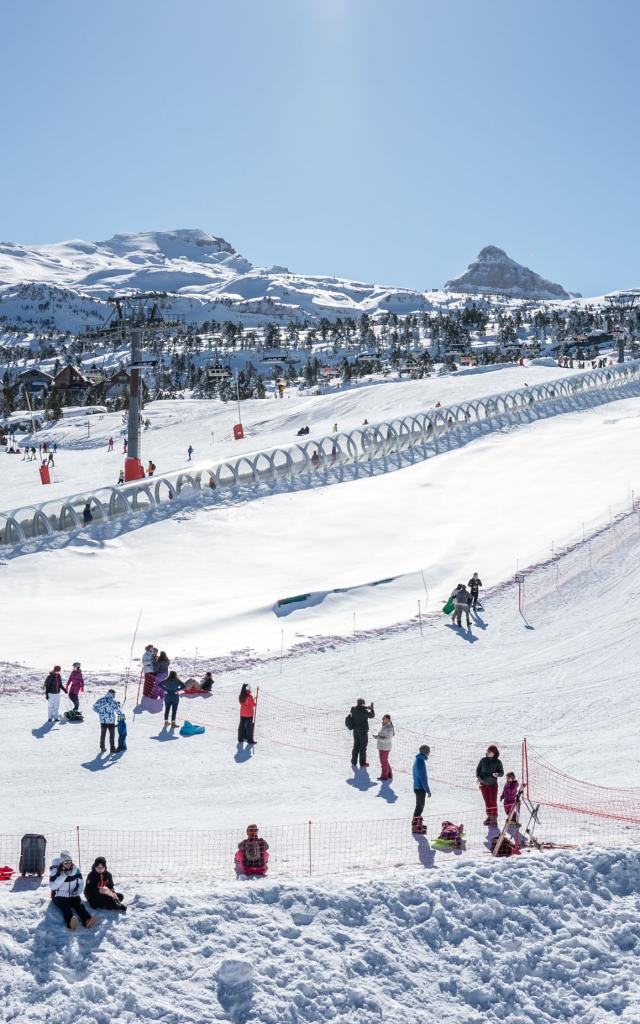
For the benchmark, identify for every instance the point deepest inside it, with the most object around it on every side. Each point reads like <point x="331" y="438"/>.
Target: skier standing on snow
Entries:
<point x="65" y="882"/>
<point x="384" y="738"/>
<point x="107" y="709"/>
<point x="171" y="686"/>
<point x="461" y="597"/>
<point x="75" y="685"/>
<point x="488" y="772"/>
<point x="52" y="687"/>
<point x="474" y="585"/>
<point x="509" y="796"/>
<point x="360" y="715"/>
<point x="420" y="788"/>
<point x="247" y="713"/>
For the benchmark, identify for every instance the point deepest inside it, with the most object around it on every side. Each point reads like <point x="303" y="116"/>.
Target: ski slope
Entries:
<point x="83" y="462"/>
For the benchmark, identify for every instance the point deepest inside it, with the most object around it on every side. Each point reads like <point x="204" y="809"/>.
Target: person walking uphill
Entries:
<point x="107" y="708"/>
<point x="360" y="715"/>
<point x="247" y="713"/>
<point x="52" y="687"/>
<point x="420" y="788"/>
<point x="171" y="686"/>
<point x="75" y="685"/>
<point x="65" y="882"/>
<point x="384" y="738"/>
<point x="488" y="772"/>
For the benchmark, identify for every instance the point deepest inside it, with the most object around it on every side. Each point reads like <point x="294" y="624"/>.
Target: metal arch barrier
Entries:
<point x="269" y="466"/>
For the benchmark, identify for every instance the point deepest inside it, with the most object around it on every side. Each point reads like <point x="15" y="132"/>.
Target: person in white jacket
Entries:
<point x="65" y="882"/>
<point x="384" y="738"/>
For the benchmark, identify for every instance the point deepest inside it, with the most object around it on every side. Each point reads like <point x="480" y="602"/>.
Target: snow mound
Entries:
<point x="532" y="939"/>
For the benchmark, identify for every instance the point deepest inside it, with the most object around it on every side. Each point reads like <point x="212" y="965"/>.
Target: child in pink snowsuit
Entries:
<point x="509" y="794"/>
<point x="75" y="685"/>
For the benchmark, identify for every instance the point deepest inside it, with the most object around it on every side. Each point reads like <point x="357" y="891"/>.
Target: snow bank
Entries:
<point x="540" y="939"/>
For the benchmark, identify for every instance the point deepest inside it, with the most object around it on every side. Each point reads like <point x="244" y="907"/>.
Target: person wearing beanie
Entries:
<point x="99" y="888"/>
<point x="107" y="709"/>
<point x="52" y="687"/>
<point x="75" y="685"/>
<point x="488" y="772"/>
<point x="420" y="788"/>
<point x="65" y="883"/>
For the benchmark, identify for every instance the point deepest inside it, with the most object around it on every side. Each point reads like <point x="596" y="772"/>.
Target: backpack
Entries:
<point x="252" y="854"/>
<point x="349" y="721"/>
<point x="505" y="847"/>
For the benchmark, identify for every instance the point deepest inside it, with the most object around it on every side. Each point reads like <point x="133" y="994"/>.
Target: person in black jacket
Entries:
<point x="99" y="889"/>
<point x="360" y="715"/>
<point x="474" y="585"/>
<point x="171" y="686"/>
<point x="488" y="772"/>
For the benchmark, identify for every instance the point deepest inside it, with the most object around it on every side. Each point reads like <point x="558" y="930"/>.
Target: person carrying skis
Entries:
<point x="52" y="687"/>
<point x="247" y="712"/>
<point x="360" y="715"/>
<point x="65" y="883"/>
<point x="488" y="772"/>
<point x="107" y="709"/>
<point x="171" y="687"/>
<point x="474" y="585"/>
<point x="509" y="797"/>
<point x="460" y="596"/>
<point x="99" y="889"/>
<point x="75" y="685"/>
<point x="420" y="788"/>
<point x="384" y="738"/>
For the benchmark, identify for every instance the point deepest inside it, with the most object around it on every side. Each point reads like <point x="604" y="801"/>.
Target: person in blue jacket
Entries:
<point x="420" y="788"/>
<point x="171" y="686"/>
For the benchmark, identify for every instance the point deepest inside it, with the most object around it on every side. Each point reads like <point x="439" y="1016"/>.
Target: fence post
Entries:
<point x="78" y="844"/>
<point x="525" y="765"/>
<point x="420" y="618"/>
<point x="309" y="842"/>
<point x="255" y="710"/>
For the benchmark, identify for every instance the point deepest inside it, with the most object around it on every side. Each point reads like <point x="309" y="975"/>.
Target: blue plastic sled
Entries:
<point x="188" y="729"/>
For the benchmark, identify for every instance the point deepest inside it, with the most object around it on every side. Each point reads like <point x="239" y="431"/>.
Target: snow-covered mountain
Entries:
<point x="66" y="284"/>
<point x="493" y="272"/>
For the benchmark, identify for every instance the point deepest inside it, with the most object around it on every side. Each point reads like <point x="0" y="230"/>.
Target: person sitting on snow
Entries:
<point x="252" y="855"/>
<point x="99" y="888"/>
<point x="65" y="883"/>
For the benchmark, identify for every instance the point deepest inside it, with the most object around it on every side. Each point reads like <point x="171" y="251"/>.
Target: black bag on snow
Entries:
<point x="74" y="716"/>
<point x="32" y="854"/>
<point x="349" y="721"/>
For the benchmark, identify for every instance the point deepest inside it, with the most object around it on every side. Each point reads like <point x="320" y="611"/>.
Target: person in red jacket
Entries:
<point x="75" y="685"/>
<point x="247" y="712"/>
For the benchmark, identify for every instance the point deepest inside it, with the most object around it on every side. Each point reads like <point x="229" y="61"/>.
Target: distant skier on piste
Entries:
<point x="474" y="585"/>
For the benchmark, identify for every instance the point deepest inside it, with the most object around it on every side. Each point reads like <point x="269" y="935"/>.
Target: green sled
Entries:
<point x="449" y="606"/>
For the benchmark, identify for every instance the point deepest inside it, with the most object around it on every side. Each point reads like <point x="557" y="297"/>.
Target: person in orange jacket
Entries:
<point x="247" y="712"/>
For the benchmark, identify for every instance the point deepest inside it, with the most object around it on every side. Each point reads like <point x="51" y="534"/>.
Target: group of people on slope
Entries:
<point x="160" y="680"/>
<point x="53" y="687"/>
<point x="65" y="884"/>
<point x="465" y="599"/>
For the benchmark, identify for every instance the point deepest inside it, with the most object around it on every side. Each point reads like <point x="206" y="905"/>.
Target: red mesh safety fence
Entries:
<point x="322" y="730"/>
<point x="551" y="786"/>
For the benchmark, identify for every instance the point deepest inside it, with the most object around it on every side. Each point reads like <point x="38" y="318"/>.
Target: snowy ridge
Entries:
<point x="519" y="941"/>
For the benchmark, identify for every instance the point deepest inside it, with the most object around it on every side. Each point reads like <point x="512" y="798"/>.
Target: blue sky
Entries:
<point x="385" y="140"/>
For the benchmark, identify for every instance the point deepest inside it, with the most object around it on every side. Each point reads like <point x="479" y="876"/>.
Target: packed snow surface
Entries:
<point x="534" y="940"/>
